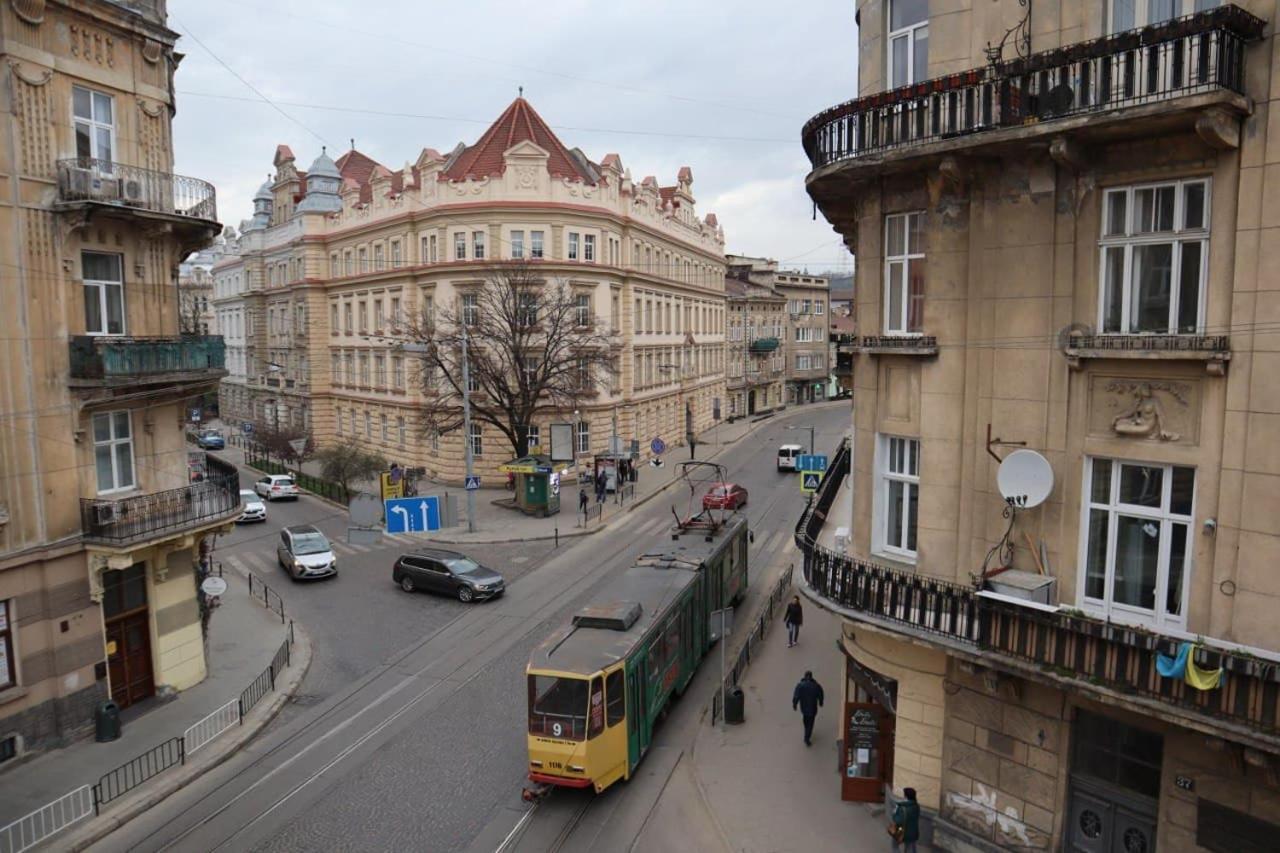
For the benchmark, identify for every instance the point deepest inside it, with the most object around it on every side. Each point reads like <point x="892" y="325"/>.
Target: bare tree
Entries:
<point x="348" y="462"/>
<point x="534" y="347"/>
<point x="278" y="440"/>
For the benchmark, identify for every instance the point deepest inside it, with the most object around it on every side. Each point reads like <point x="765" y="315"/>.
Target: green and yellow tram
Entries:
<point x="598" y="685"/>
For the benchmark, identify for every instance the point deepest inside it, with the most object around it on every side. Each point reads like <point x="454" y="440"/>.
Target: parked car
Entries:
<point x="447" y="572"/>
<point x="254" y="508"/>
<point x="725" y="496"/>
<point x="276" y="486"/>
<point x="211" y="439"/>
<point x="305" y="553"/>
<point x="788" y="456"/>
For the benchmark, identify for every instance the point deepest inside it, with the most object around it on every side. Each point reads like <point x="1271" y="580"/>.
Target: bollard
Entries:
<point x="557" y="545"/>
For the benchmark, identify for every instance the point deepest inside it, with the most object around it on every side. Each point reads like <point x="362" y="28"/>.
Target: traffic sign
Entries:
<point x="811" y="462"/>
<point x="809" y="481"/>
<point x="473" y="482"/>
<point x="298" y="445"/>
<point x="195" y="416"/>
<point x="658" y="446"/>
<point x="246" y="428"/>
<point x="413" y="515"/>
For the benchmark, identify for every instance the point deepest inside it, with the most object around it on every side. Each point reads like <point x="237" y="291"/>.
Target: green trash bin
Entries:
<point x="106" y="722"/>
<point x="735" y="706"/>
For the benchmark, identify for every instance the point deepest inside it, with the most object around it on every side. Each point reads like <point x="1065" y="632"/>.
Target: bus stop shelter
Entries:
<point x="537" y="481"/>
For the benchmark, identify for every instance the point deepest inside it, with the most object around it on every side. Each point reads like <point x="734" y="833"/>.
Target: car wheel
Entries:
<point x="406" y="583"/>
<point x="465" y="594"/>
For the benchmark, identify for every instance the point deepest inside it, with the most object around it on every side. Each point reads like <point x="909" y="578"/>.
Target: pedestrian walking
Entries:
<point x="793" y="619"/>
<point x="807" y="697"/>
<point x="582" y="502"/>
<point x="905" y="828"/>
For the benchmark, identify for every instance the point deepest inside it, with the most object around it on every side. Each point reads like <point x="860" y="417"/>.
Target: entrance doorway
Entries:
<point x="1115" y="786"/>
<point x="128" y="634"/>
<point x="751" y="403"/>
<point x="868" y="734"/>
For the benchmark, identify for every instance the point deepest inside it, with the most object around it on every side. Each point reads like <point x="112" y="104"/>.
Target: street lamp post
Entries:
<point x="809" y="427"/>
<point x="466" y="432"/>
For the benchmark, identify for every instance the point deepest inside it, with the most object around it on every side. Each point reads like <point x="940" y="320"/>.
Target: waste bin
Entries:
<point x="735" y="705"/>
<point x="106" y="722"/>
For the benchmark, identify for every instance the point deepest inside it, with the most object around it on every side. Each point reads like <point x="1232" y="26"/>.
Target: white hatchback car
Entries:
<point x="276" y="486"/>
<point x="254" y="508"/>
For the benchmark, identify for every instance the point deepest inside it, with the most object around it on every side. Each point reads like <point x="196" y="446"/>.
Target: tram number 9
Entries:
<point x="557" y="729"/>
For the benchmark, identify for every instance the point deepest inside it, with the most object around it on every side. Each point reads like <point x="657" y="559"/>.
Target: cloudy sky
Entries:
<point x="722" y="86"/>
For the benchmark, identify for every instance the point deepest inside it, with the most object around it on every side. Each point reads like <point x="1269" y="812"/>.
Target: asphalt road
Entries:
<point x="410" y="730"/>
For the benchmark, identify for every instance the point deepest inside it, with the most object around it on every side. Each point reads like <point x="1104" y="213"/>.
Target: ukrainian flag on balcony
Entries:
<point x="1183" y="666"/>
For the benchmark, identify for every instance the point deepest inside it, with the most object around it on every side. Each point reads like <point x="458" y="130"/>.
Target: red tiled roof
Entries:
<point x="357" y="166"/>
<point x="668" y="194"/>
<point x="283" y="152"/>
<point x="518" y="123"/>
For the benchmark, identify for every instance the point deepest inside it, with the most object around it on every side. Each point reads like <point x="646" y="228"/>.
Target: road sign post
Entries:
<point x="810" y="480"/>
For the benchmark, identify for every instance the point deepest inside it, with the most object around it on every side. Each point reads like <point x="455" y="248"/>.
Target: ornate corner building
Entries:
<point x="1064" y="245"/>
<point x="101" y="524"/>
<point x="337" y="255"/>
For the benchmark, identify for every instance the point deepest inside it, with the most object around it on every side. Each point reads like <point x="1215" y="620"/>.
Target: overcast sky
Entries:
<point x="722" y="86"/>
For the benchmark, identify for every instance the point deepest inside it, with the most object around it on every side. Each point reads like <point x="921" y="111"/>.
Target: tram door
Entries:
<point x="639" y="725"/>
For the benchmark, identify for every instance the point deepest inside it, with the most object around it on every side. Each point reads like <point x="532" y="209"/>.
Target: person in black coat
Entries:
<point x="807" y="697"/>
<point x="793" y="619"/>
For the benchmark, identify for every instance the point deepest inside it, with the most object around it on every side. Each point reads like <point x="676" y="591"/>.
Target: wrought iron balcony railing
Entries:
<point x="82" y="179"/>
<point x="115" y="360"/>
<point x="160" y="514"/>
<point x="764" y="345"/>
<point x="1198" y="53"/>
<point x="904" y="344"/>
<point x="1153" y="343"/>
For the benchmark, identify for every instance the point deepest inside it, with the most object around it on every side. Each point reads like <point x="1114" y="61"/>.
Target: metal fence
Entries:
<point x="256" y="457"/>
<point x="258" y="688"/>
<point x="270" y="599"/>
<point x="47" y="821"/>
<point x="756" y="636"/>
<point x="126" y="777"/>
<point x="203" y="732"/>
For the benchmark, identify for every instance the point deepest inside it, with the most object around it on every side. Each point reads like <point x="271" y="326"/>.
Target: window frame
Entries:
<point x="901" y="326"/>
<point x="1142" y="13"/>
<point x="460" y="245"/>
<point x="478" y="245"/>
<point x="476" y="440"/>
<point x="517" y="244"/>
<point x="885" y="478"/>
<point x="909" y="33"/>
<point x="589" y="248"/>
<point x="1158" y="616"/>
<point x="8" y="656"/>
<point x="582" y="310"/>
<point x="582" y="437"/>
<point x="102" y="288"/>
<point x="103" y="165"/>
<point x="571" y="245"/>
<point x="537" y="244"/>
<point x="113" y="441"/>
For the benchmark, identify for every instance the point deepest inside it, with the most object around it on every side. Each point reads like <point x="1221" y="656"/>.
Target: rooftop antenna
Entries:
<point x="353" y="143"/>
<point x="520" y="89"/>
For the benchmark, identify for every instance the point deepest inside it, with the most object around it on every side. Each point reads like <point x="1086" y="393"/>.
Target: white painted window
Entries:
<point x="904" y="274"/>
<point x="103" y="293"/>
<point x="908" y="42"/>
<point x="477" y="245"/>
<point x="588" y="247"/>
<point x="819" y="307"/>
<point x="477" y="440"/>
<point x="395" y="254"/>
<point x="460" y="246"/>
<point x="94" y="118"/>
<point x="517" y="244"/>
<point x="530" y="367"/>
<point x="897" y="496"/>
<point x="386" y="429"/>
<point x="113" y="451"/>
<point x="434" y="255"/>
<point x="1129" y="14"/>
<point x="397" y="372"/>
<point x="573" y="246"/>
<point x="379" y="259"/>
<point x="1136" y="546"/>
<point x="470" y="309"/>
<point x="400" y="431"/>
<point x="1154" y="258"/>
<point x="582" y="308"/>
<point x="584" y="437"/>
<point x="535" y="244"/>
<point x="535" y="436"/>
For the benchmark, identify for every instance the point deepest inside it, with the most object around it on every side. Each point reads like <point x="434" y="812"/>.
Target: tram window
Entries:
<point x="655" y="659"/>
<point x="558" y="706"/>
<point x="595" y="721"/>
<point x="673" y="639"/>
<point x="616" y="697"/>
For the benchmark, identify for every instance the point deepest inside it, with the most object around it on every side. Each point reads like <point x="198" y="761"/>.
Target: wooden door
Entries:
<point x="868" y="752"/>
<point x="129" y="661"/>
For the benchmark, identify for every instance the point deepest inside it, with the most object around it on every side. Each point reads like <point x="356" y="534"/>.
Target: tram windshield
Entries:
<point x="558" y="706"/>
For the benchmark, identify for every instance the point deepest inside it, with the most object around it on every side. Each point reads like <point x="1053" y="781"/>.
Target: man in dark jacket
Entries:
<point x="793" y="619"/>
<point x="808" y="698"/>
<point x="907" y="815"/>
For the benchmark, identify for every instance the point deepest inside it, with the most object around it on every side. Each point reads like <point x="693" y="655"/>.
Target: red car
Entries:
<point x="725" y="496"/>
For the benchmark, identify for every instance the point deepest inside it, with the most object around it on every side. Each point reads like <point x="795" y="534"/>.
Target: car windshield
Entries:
<point x="213" y="433"/>
<point x="558" y="707"/>
<point x="463" y="566"/>
<point x="719" y="492"/>
<point x="310" y="543"/>
<point x="249" y="497"/>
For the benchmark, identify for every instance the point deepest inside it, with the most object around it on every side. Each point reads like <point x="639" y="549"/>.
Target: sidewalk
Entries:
<point x="243" y="637"/>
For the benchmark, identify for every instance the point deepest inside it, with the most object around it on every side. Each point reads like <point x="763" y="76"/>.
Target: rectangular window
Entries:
<point x="1154" y="258"/>
<point x="395" y="254"/>
<point x="582" y="309"/>
<point x="434" y="256"/>
<point x="379" y="260"/>
<point x="386" y="429"/>
<point x="535" y="244"/>
<point x="380" y="370"/>
<point x="335" y="368"/>
<point x="346" y="316"/>
<point x="94" y="119"/>
<point x="333" y="265"/>
<point x="908" y="42"/>
<point x="517" y="244"/>
<point x="362" y="256"/>
<point x="1130" y="14"/>
<point x="113" y="451"/>
<point x="377" y="315"/>
<point x="477" y="245"/>
<point x="899" y="466"/>
<point x="397" y="372"/>
<point x="588" y="247"/>
<point x="470" y="309"/>
<point x="573" y="246"/>
<point x="615" y="313"/>
<point x="477" y="440"/>
<point x="400" y="431"/>
<point x="368" y="425"/>
<point x="103" y="293"/>
<point x="460" y="246"/>
<point x="819" y="307"/>
<point x="364" y="317"/>
<point x="1137" y="541"/>
<point x="904" y="274"/>
<point x="338" y="414"/>
<point x="347" y="262"/>
<point x="530" y="368"/>
<point x="527" y="309"/>
<point x="364" y="368"/>
<point x="584" y="437"/>
<point x="535" y="437"/>
<point x="8" y="670"/>
<point x="395" y="311"/>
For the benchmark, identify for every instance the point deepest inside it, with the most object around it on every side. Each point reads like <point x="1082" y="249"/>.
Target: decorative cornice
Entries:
<point x="45" y="77"/>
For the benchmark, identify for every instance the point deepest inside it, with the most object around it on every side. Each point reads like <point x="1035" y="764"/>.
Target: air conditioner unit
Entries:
<point x="132" y="190"/>
<point x="86" y="183"/>
<point x="104" y="513"/>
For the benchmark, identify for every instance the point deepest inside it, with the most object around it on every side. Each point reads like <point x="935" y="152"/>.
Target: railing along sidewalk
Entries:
<point x="45" y="822"/>
<point x="756" y="636"/>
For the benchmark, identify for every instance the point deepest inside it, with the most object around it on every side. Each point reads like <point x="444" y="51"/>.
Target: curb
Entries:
<point x="133" y="806"/>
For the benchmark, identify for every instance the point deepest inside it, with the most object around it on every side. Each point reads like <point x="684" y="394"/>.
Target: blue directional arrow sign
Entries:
<point x="473" y="482"/>
<point x="811" y="462"/>
<point x="412" y="515"/>
<point x="809" y="481"/>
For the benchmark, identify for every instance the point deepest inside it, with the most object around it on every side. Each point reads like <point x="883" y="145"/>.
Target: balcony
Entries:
<point x="1173" y="73"/>
<point x="760" y="346"/>
<point x="1108" y="662"/>
<point x="1213" y="350"/>
<point x="163" y="515"/>
<point x="187" y="207"/>
<point x="921" y="345"/>
<point x="116" y="367"/>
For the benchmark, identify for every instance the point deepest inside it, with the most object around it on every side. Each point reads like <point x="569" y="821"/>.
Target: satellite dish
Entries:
<point x="1025" y="479"/>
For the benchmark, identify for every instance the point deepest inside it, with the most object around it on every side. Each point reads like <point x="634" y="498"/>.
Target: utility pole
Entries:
<point x="466" y="430"/>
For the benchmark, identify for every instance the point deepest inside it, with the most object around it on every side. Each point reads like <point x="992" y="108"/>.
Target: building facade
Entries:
<point x="755" y="347"/>
<point x="809" y="363"/>
<point x="101" y="526"/>
<point x="337" y="256"/>
<point x="1063" y="247"/>
<point x="195" y="294"/>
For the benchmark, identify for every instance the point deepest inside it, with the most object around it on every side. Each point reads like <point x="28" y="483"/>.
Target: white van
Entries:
<point x="788" y="455"/>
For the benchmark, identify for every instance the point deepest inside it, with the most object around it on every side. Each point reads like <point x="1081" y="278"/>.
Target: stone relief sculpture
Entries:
<point x="1146" y="417"/>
